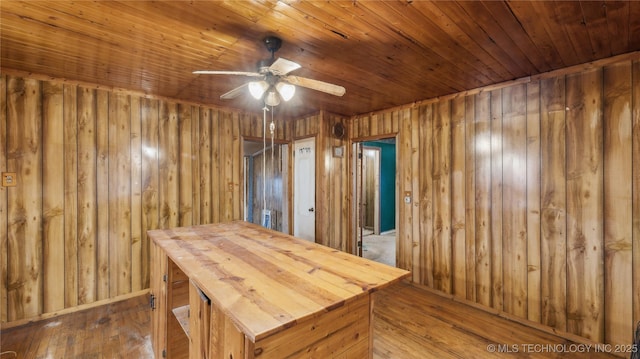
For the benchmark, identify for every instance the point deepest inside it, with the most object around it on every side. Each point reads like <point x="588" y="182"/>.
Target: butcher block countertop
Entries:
<point x="267" y="281"/>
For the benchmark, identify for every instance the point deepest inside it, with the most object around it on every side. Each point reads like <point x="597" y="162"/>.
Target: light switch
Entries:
<point x="9" y="179"/>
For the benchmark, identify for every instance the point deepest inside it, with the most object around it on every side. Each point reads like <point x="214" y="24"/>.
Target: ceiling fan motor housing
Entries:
<point x="272" y="43"/>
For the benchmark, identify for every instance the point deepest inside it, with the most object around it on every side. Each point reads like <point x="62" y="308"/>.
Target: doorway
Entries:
<point x="374" y="188"/>
<point x="304" y="195"/>
<point x="266" y="184"/>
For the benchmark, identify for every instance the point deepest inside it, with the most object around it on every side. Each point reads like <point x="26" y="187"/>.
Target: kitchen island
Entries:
<point x="238" y="290"/>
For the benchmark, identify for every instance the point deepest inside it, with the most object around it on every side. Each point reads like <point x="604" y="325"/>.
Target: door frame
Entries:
<point x="294" y="185"/>
<point x="355" y="232"/>
<point x="376" y="184"/>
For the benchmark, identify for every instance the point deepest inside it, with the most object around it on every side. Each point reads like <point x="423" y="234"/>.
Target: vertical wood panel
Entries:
<point x="206" y="182"/>
<point x="70" y="195"/>
<point x="425" y="265"/>
<point x="458" y="198"/>
<point x="87" y="195"/>
<point x="168" y="164"/>
<point x="53" y="187"/>
<point x="553" y="250"/>
<point x="24" y="234"/>
<point x="185" y="167"/>
<point x="102" y="174"/>
<point x="533" y="202"/>
<point x="415" y="189"/>
<point x="515" y="200"/>
<point x="119" y="195"/>
<point x="216" y="167"/>
<point x="497" y="279"/>
<point x="403" y="255"/>
<point x="442" y="251"/>
<point x="226" y="168"/>
<point x="236" y="168"/>
<point x="483" y="197"/>
<point x="618" y="205"/>
<point x="195" y="163"/>
<point x="584" y="205"/>
<point x="635" y="90"/>
<point x="150" y="176"/>
<point x="3" y="200"/>
<point x="470" y="198"/>
<point x="139" y="257"/>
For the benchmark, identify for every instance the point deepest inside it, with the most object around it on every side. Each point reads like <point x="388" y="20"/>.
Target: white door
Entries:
<point x="304" y="196"/>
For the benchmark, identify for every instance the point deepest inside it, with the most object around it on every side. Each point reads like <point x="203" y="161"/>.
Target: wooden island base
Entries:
<point x="237" y="290"/>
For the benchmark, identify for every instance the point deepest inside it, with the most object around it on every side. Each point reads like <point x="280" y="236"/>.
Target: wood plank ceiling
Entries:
<point x="385" y="53"/>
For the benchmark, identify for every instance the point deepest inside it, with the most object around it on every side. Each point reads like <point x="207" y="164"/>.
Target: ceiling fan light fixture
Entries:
<point x="272" y="98"/>
<point x="285" y="90"/>
<point x="257" y="88"/>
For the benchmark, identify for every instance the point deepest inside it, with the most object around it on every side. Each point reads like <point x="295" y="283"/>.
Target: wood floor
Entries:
<point x="410" y="323"/>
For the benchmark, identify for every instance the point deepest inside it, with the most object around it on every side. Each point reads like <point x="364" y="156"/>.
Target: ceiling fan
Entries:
<point x="273" y="81"/>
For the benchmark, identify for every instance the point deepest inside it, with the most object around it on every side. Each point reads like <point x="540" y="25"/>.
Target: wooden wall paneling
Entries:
<point x="364" y="127"/>
<point x="388" y="123"/>
<point x="87" y="195"/>
<point x="102" y="188"/>
<point x="374" y="125"/>
<point x="404" y="234"/>
<point x="169" y="180"/>
<point x="422" y="271"/>
<point x="395" y="122"/>
<point x="353" y="127"/>
<point x="3" y="201"/>
<point x="226" y="170"/>
<point x="470" y="197"/>
<point x="618" y="205"/>
<point x="205" y="161"/>
<point x="185" y="166"/>
<point x="139" y="262"/>
<point x="534" y="299"/>
<point x="217" y="187"/>
<point x="119" y="195"/>
<point x="53" y="200"/>
<point x="442" y="244"/>
<point x="71" y="195"/>
<point x="514" y="230"/>
<point x="416" y="250"/>
<point x="483" y="197"/>
<point x="236" y="168"/>
<point x="497" y="275"/>
<point x="585" y="275"/>
<point x="150" y="216"/>
<point x="458" y="199"/>
<point x="195" y="164"/>
<point x="338" y="204"/>
<point x="324" y="169"/>
<point x="553" y="249"/>
<point x="24" y="234"/>
<point x="635" y="90"/>
<point x="325" y="185"/>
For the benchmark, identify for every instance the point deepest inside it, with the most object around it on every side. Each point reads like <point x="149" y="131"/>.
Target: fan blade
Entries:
<point x="234" y="93"/>
<point x="243" y="73"/>
<point x="316" y="85"/>
<point x="283" y="66"/>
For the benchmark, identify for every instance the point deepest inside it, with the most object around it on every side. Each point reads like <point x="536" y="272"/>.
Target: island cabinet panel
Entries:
<point x="340" y="333"/>
<point x="238" y="290"/>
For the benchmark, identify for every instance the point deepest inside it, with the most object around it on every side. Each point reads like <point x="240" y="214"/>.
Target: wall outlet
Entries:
<point x="9" y="179"/>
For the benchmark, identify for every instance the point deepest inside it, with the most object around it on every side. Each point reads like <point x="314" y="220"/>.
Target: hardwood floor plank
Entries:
<point x="410" y="323"/>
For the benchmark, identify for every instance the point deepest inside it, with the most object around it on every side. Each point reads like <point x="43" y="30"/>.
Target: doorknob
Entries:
<point x="311" y="209"/>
